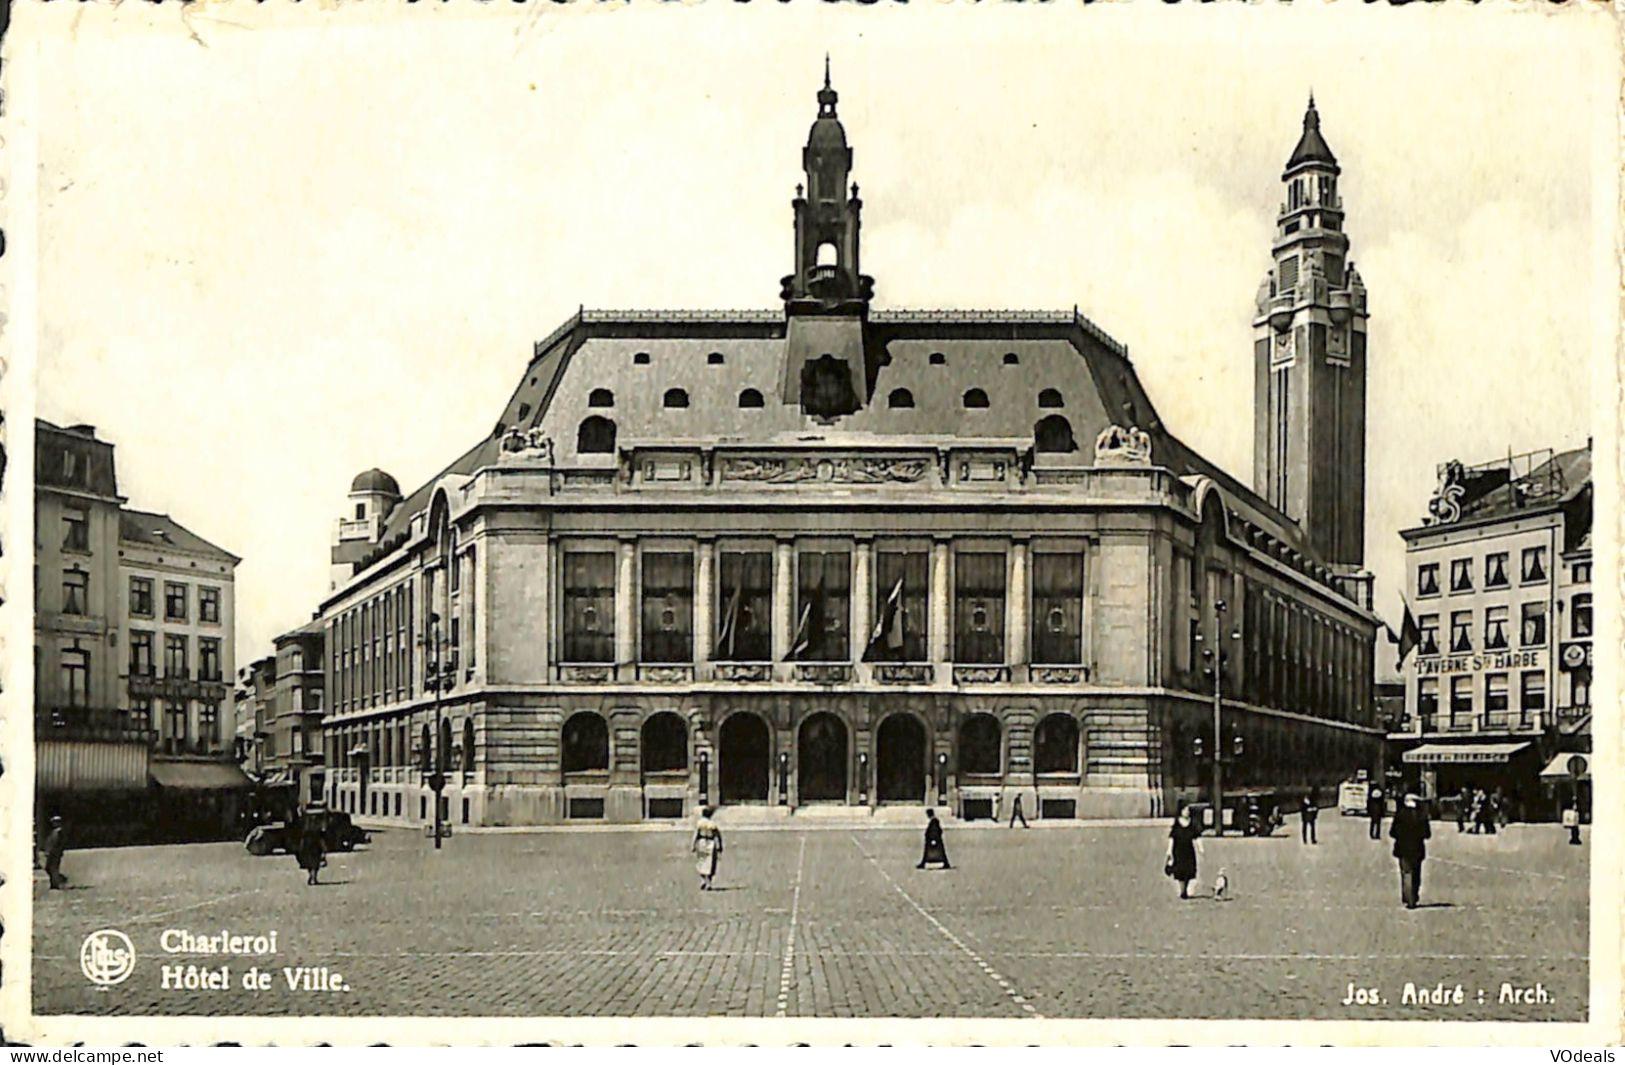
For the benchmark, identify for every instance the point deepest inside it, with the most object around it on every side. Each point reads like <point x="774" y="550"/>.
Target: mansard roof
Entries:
<point x="161" y="531"/>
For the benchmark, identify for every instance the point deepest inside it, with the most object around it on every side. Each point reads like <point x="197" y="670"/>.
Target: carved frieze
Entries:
<point x="666" y="674"/>
<point x="981" y="674"/>
<point x="587" y="674"/>
<point x="744" y="671"/>
<point x="803" y="469"/>
<point x="1059" y="674"/>
<point x="823" y="672"/>
<point x="903" y="673"/>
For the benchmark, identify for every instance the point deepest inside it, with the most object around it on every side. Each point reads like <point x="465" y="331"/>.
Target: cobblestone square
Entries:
<point x="1076" y="921"/>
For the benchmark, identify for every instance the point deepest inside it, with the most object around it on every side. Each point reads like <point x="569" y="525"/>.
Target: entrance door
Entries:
<point x="900" y="759"/>
<point x="821" y="759"/>
<point x="743" y="759"/>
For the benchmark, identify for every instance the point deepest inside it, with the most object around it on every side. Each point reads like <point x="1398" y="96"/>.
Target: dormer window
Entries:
<point x="675" y="398"/>
<point x="750" y="398"/>
<point x="938" y="359"/>
<point x="1012" y="359"/>
<point x="596" y="436"/>
<point x="601" y="397"/>
<point x="640" y="359"/>
<point x="714" y="359"/>
<point x="975" y="399"/>
<point x="1050" y="398"/>
<point x="900" y="398"/>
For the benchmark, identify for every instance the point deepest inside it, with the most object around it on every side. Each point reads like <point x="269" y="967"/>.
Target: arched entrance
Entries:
<point x="743" y="753"/>
<point x="821" y="759"/>
<point x="900" y="759"/>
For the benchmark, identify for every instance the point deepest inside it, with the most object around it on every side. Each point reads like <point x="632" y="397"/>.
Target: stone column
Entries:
<point x="940" y="592"/>
<point x="704" y="601"/>
<point x="544" y="650"/>
<point x="783" y="598"/>
<point x="626" y="647"/>
<point x="862" y="584"/>
<point x="1016" y="606"/>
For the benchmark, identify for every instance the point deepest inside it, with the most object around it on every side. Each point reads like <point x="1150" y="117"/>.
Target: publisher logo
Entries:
<point x="107" y="957"/>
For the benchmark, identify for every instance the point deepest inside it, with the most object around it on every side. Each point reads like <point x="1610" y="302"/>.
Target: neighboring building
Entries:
<point x="294" y="760"/>
<point x="834" y="555"/>
<point x="90" y="754"/>
<point x="133" y="647"/>
<point x="1499" y="579"/>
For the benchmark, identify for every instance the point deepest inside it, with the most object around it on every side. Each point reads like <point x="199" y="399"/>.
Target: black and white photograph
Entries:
<point x="894" y="524"/>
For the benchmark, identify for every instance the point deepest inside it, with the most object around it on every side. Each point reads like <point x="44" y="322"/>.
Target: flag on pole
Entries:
<point x="1410" y="635"/>
<point x="887" y="638"/>
<point x="730" y="625"/>
<point x="810" y="627"/>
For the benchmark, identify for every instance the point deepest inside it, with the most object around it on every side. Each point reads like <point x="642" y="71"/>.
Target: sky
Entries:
<point x="281" y="245"/>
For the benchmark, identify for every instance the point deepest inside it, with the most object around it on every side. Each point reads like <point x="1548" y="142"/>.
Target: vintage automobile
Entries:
<point x="339" y="833"/>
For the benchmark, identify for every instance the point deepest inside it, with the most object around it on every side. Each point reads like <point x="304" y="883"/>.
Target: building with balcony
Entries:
<point x="1498" y="695"/>
<point x="294" y="759"/>
<point x="829" y="554"/>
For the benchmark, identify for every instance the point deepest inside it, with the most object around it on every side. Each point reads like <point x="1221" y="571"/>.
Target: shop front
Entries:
<point x="1445" y="770"/>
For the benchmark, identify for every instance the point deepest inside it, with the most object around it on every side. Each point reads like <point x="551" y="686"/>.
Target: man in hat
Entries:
<point x="1410" y="831"/>
<point x="935" y="852"/>
<point x="56" y="843"/>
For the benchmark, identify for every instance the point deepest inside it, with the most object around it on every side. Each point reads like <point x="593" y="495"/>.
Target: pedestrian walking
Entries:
<point x="935" y="852"/>
<point x="1016" y="814"/>
<point x="1374" y="810"/>
<point x="1183" y="846"/>
<point x="1571" y="821"/>
<point x="1410" y="831"/>
<point x="1310" y="813"/>
<point x="1464" y="806"/>
<point x="1486" y="813"/>
<point x="707" y="847"/>
<point x="56" y="842"/>
<point x="311" y="850"/>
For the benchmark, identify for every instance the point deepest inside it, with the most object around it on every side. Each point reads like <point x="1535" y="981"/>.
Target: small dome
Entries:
<point x="827" y="135"/>
<point x="376" y="480"/>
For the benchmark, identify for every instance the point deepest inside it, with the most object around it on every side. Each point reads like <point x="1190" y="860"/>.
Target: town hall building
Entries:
<point x="832" y="554"/>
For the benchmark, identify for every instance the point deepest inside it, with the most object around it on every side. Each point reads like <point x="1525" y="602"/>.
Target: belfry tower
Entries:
<point x="826" y="300"/>
<point x="1310" y="364"/>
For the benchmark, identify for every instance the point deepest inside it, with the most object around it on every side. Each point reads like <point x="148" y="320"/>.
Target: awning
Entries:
<point x="1559" y="766"/>
<point x="199" y="776"/>
<point x="1459" y="753"/>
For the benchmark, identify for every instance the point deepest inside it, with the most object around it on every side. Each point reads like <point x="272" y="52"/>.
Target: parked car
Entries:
<point x="339" y="833"/>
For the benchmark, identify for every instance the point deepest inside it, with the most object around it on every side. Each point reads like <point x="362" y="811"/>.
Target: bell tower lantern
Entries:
<point x="826" y="278"/>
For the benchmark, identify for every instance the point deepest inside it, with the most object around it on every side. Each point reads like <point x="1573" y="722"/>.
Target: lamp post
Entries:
<point x="439" y="675"/>
<point x="1216" y="660"/>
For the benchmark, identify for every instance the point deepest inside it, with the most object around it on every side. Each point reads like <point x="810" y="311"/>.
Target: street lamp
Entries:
<point x="1215" y="668"/>
<point x="439" y="676"/>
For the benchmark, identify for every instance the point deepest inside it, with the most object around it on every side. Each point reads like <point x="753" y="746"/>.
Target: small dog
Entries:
<point x="1221" y="886"/>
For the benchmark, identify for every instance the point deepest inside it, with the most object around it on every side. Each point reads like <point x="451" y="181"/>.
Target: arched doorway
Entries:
<point x="664" y="746"/>
<point x="900" y="759"/>
<point x="743" y="750"/>
<point x="821" y="759"/>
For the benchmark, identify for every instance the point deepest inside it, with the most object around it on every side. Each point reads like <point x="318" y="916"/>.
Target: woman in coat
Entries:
<point x="1183" y="846"/>
<point x="310" y="852"/>
<point x="707" y="847"/>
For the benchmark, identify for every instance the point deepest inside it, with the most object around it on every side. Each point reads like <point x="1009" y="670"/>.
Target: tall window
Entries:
<point x="1461" y="575"/>
<point x="1461" y="631"/>
<point x="208" y="604"/>
<point x="1495" y="570"/>
<point x="1495" y="700"/>
<point x="140" y="653"/>
<point x="823" y="605"/>
<point x="208" y="725"/>
<point x="585" y="743"/>
<point x="1057" y="621"/>
<point x="1532" y="698"/>
<point x="141" y="712"/>
<point x="1580" y="619"/>
<point x="1532" y="624"/>
<point x="75" y="529"/>
<point x="979" y="607"/>
<point x="1495" y="628"/>
<point x="668" y="606"/>
<point x="141" y="596"/>
<point x="1534" y="564"/>
<point x="901" y="628"/>
<point x="1461" y="702"/>
<point x="174" y="601"/>
<point x="1428" y="628"/>
<point x="175" y="720"/>
<point x="1427" y="702"/>
<point x="75" y="592"/>
<point x="1055" y="744"/>
<point x="208" y="658"/>
<point x="1427" y="579"/>
<point x="589" y="606"/>
<point x="76" y="676"/>
<point x="175" y="656"/>
<point x="745" y="625"/>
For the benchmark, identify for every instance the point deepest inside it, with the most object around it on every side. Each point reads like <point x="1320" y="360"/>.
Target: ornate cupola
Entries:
<point x="826" y="300"/>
